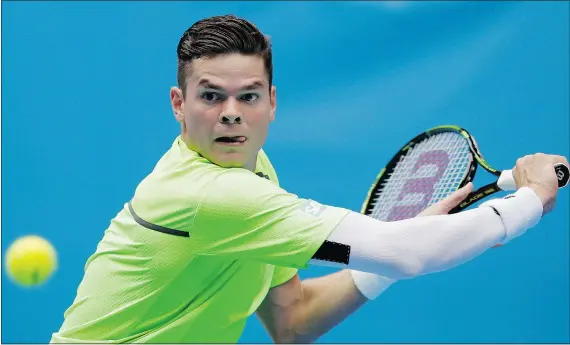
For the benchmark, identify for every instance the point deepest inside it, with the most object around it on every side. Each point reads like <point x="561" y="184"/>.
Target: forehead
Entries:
<point x="229" y="70"/>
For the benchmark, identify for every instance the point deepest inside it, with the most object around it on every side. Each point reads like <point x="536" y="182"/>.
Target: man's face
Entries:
<point x="226" y="113"/>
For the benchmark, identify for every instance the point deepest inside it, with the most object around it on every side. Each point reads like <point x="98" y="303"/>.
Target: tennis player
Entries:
<point x="210" y="238"/>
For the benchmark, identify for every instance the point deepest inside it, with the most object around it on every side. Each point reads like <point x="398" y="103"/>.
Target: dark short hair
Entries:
<point x="218" y="35"/>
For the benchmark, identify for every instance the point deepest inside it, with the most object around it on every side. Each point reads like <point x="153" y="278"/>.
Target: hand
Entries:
<point x="447" y="204"/>
<point x="537" y="172"/>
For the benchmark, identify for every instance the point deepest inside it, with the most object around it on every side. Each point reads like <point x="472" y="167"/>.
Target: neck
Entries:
<point x="251" y="165"/>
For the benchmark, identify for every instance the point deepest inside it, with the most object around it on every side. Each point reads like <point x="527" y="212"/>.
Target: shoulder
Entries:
<point x="169" y="196"/>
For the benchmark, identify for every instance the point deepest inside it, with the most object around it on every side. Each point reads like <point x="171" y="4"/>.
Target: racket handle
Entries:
<point x="506" y="180"/>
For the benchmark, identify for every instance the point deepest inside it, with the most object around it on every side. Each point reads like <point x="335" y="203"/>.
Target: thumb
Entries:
<point x="449" y="202"/>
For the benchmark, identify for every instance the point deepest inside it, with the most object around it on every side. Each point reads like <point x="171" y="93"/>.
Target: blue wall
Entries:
<point x="86" y="114"/>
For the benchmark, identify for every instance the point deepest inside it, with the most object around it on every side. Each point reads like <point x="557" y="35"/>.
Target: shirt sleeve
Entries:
<point x="243" y="216"/>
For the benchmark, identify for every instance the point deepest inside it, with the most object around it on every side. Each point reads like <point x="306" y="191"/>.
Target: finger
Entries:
<point x="448" y="203"/>
<point x="523" y="160"/>
<point x="456" y="197"/>
<point x="559" y="159"/>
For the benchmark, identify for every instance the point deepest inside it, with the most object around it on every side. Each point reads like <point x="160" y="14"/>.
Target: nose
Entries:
<point x="230" y="119"/>
<point x="230" y="114"/>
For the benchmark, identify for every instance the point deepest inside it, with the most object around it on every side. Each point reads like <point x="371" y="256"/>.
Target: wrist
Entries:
<point x="544" y="193"/>
<point x="519" y="212"/>
<point x="370" y="285"/>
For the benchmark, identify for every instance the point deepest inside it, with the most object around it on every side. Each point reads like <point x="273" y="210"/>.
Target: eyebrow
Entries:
<point x="209" y="85"/>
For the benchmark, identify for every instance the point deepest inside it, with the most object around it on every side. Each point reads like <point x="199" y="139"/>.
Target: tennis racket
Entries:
<point x="430" y="167"/>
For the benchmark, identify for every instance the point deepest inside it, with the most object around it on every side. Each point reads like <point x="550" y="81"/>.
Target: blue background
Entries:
<point x="86" y="115"/>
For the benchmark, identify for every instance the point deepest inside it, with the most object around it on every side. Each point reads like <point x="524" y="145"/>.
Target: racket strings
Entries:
<point x="427" y="173"/>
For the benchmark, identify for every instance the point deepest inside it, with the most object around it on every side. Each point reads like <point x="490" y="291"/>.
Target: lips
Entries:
<point x="231" y="139"/>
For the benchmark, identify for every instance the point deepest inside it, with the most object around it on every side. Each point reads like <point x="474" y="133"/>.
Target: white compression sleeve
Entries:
<point x="369" y="284"/>
<point x="417" y="246"/>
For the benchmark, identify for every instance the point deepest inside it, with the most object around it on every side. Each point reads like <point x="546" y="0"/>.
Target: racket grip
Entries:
<point x="506" y="180"/>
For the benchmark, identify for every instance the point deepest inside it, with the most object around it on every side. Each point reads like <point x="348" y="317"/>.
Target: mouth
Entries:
<point x="235" y="140"/>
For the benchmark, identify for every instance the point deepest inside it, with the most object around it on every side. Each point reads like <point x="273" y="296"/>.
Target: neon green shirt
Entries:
<point x="194" y="254"/>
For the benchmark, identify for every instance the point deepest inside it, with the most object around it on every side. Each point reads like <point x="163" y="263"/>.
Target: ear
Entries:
<point x="273" y="103"/>
<point x="177" y="102"/>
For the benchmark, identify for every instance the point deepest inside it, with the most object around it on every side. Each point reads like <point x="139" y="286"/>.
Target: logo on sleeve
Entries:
<point x="313" y="208"/>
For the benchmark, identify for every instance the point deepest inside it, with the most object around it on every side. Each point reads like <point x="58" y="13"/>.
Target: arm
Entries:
<point x="301" y="312"/>
<point x="409" y="248"/>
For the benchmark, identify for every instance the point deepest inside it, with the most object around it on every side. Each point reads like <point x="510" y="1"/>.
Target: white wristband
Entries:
<point x="370" y="285"/>
<point x="519" y="212"/>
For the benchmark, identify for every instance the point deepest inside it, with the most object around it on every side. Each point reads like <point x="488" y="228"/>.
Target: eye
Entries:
<point x="249" y="97"/>
<point x="210" y="96"/>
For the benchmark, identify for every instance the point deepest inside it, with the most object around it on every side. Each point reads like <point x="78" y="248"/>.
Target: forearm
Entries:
<point x="326" y="302"/>
<point x="408" y="248"/>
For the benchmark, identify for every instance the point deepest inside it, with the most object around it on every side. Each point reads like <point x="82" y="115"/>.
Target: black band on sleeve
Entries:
<point x="334" y="252"/>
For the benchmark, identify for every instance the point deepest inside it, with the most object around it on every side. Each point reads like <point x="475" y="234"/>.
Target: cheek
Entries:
<point x="263" y="115"/>
<point x="260" y="122"/>
<point x="200" y="121"/>
<point x="262" y="127"/>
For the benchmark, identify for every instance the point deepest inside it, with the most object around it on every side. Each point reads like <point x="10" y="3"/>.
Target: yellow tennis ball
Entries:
<point x="30" y="260"/>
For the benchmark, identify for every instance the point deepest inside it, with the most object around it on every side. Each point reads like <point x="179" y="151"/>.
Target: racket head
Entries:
<point x="428" y="168"/>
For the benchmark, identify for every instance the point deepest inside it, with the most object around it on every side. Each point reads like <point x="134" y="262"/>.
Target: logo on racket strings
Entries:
<point x="437" y="160"/>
